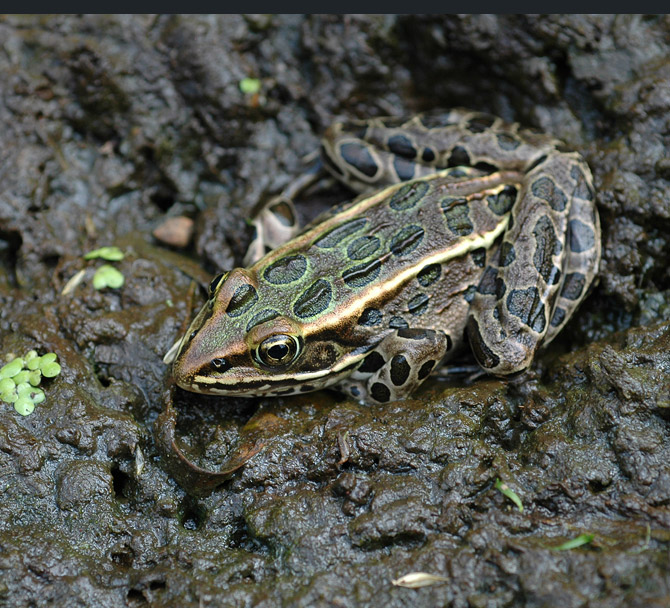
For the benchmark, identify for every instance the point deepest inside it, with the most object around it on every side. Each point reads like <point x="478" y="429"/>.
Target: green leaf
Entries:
<point x="509" y="493"/>
<point x="7" y="384"/>
<point x="38" y="396"/>
<point x="9" y="396"/>
<point x="249" y="86"/>
<point x="24" y="406"/>
<point x="111" y="254"/>
<point x="24" y="389"/>
<point x="51" y="370"/>
<point x="35" y="377"/>
<point x="21" y="377"/>
<point x="12" y="368"/>
<point x="48" y="358"/>
<point x="578" y="541"/>
<point x="33" y="363"/>
<point x="107" y="276"/>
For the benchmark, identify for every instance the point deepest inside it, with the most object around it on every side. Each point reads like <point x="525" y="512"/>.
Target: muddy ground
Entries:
<point x="110" y="125"/>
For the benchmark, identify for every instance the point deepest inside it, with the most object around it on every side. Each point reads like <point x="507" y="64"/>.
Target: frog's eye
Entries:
<point x="216" y="281"/>
<point x="278" y="350"/>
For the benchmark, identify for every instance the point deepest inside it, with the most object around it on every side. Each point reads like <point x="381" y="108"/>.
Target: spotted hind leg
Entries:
<point x="397" y="366"/>
<point x="539" y="271"/>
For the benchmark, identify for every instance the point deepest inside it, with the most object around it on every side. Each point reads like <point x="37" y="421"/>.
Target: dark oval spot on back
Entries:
<point x="435" y="120"/>
<point x="429" y="274"/>
<point x="573" y="286"/>
<point x="404" y="168"/>
<point x="286" y="270"/>
<point x="545" y="189"/>
<point x="363" y="247"/>
<point x="480" y="123"/>
<point x="358" y="157"/>
<point x="425" y="369"/>
<point x="261" y="317"/>
<point x="583" y="190"/>
<point x="414" y="334"/>
<point x="459" y="156"/>
<point x="399" y="370"/>
<point x="406" y="240"/>
<point x="336" y="235"/>
<point x="408" y="196"/>
<point x="370" y="317"/>
<point x="380" y="392"/>
<point x="507" y="142"/>
<point x="398" y="323"/>
<point x="428" y="156"/>
<point x="527" y="305"/>
<point x="484" y="355"/>
<point x="507" y="253"/>
<point x="582" y="237"/>
<point x="502" y="202"/>
<point x="479" y="257"/>
<point x="363" y="274"/>
<point x="469" y="293"/>
<point x="402" y="146"/>
<point x="243" y="299"/>
<point x="558" y="316"/>
<point x="456" y="212"/>
<point x="418" y="304"/>
<point x="372" y="363"/>
<point x="314" y="300"/>
<point x="546" y="246"/>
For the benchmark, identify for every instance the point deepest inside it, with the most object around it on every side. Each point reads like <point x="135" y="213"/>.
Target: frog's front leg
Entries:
<point x="277" y="221"/>
<point x="275" y="224"/>
<point x="397" y="365"/>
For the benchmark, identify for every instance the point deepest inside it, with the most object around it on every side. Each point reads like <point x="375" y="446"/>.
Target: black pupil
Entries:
<point x="278" y="351"/>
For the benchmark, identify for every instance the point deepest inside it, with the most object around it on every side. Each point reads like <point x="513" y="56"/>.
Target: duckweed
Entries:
<point x="20" y="379"/>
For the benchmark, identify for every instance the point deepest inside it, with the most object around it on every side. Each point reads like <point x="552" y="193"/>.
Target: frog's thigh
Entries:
<point x="582" y="255"/>
<point x="510" y="313"/>
<point x="275" y="224"/>
<point x="399" y="364"/>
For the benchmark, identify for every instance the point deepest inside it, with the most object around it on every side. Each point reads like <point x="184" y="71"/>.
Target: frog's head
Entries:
<point x="244" y="343"/>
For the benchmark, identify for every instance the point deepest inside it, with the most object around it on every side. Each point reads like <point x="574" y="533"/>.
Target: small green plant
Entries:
<point x="107" y="275"/>
<point x="250" y="86"/>
<point x="578" y="541"/>
<point x="20" y="378"/>
<point x="111" y="254"/>
<point x="501" y="486"/>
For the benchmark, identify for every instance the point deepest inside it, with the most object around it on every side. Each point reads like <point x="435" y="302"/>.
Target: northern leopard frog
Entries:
<point x="466" y="226"/>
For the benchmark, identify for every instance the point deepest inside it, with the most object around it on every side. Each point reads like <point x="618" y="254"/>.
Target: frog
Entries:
<point x="467" y="231"/>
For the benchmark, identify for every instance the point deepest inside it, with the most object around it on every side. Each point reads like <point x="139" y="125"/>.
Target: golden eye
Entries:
<point x="278" y="350"/>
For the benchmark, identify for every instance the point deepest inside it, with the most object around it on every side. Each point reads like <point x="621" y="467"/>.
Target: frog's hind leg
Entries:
<point x="397" y="366"/>
<point x="516" y="299"/>
<point x="583" y="253"/>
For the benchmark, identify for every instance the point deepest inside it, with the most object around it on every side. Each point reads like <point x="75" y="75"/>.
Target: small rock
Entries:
<point x="175" y="231"/>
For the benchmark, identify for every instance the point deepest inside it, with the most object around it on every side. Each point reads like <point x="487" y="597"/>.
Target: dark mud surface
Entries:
<point x="110" y="125"/>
